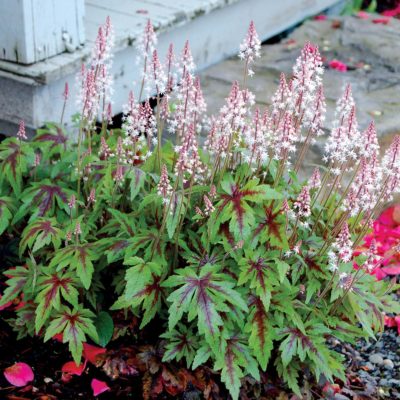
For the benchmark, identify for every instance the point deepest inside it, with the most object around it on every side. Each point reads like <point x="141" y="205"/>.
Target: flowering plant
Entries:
<point x="385" y="236"/>
<point x="244" y="266"/>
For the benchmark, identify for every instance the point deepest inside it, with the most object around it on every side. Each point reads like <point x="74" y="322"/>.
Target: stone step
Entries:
<point x="214" y="28"/>
<point x="371" y="51"/>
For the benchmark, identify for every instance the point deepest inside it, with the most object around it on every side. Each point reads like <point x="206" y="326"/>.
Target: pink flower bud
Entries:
<point x="21" y="134"/>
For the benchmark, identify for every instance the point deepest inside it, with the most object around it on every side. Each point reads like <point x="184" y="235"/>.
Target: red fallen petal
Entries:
<point x="332" y="386"/>
<point x="91" y="352"/>
<point x="99" y="387"/>
<point x="71" y="368"/>
<point x="338" y="65"/>
<point x="59" y="337"/>
<point x="391" y="270"/>
<point x="383" y="21"/>
<point x="66" y="377"/>
<point x="19" y="374"/>
<point x="390" y="322"/>
<point x="321" y="17"/>
<point x="397" y="320"/>
<point x="363" y="15"/>
<point x="392" y="13"/>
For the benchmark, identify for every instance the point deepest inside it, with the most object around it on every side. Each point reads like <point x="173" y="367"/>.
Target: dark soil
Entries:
<point x="46" y="359"/>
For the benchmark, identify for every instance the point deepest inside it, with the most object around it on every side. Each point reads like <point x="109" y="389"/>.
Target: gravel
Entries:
<point x="374" y="365"/>
<point x="376" y="359"/>
<point x="388" y="363"/>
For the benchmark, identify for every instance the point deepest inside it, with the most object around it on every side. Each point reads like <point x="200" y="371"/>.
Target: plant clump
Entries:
<point x="246" y="267"/>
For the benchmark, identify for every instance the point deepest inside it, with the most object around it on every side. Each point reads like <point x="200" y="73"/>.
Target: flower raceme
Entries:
<point x="250" y="48"/>
<point x="302" y="204"/>
<point x="95" y="81"/>
<point x="243" y="266"/>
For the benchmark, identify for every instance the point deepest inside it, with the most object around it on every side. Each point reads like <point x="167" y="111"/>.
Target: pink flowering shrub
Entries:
<point x="385" y="237"/>
<point x="243" y="266"/>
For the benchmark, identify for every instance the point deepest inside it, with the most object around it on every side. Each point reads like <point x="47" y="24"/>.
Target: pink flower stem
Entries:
<point x="63" y="111"/>
<point x="322" y="295"/>
<point x="303" y="151"/>
<point x="178" y="231"/>
<point x="339" y="301"/>
<point x="341" y="201"/>
<point x="144" y="75"/>
<point x="324" y="181"/>
<point x="167" y="208"/>
<point x="293" y="236"/>
<point x="159" y="132"/>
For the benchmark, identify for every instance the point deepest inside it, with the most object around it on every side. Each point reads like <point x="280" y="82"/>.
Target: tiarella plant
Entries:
<point x="245" y="267"/>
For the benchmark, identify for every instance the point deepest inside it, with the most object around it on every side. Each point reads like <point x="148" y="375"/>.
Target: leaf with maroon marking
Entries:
<point x="271" y="229"/>
<point x="137" y="179"/>
<point x="6" y="209"/>
<point x="78" y="257"/>
<point x="46" y="197"/>
<point x="310" y="345"/>
<point x="234" y="206"/>
<point x="39" y="233"/>
<point x="18" y="277"/>
<point x="181" y="343"/>
<point x="143" y="288"/>
<point x="204" y="295"/>
<point x="259" y="274"/>
<point x="312" y="264"/>
<point x="115" y="249"/>
<point x="14" y="159"/>
<point x="224" y="231"/>
<point x="52" y="134"/>
<point x="262" y="333"/>
<point x="43" y="198"/>
<point x="234" y="361"/>
<point x="120" y="224"/>
<point x="74" y="325"/>
<point x="147" y="240"/>
<point x="288" y="348"/>
<point x="51" y="287"/>
<point x="290" y="375"/>
<point x="176" y="211"/>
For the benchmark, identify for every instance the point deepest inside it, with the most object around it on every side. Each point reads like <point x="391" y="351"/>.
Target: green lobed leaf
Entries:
<point x="105" y="328"/>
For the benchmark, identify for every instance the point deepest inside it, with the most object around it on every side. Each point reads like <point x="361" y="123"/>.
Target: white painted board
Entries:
<point x="34" y="30"/>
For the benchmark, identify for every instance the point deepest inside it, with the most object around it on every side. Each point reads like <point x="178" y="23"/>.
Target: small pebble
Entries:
<point x="388" y="364"/>
<point x="370" y="366"/>
<point x="384" y="382"/>
<point x="376" y="359"/>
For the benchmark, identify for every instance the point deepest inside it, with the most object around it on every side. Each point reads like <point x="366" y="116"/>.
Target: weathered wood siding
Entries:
<point x="34" y="30"/>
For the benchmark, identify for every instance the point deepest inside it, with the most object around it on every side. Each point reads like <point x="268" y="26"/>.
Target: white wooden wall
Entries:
<point x="34" y="30"/>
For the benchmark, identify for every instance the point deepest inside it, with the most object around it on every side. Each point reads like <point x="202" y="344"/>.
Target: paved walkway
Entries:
<point x="371" y="51"/>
